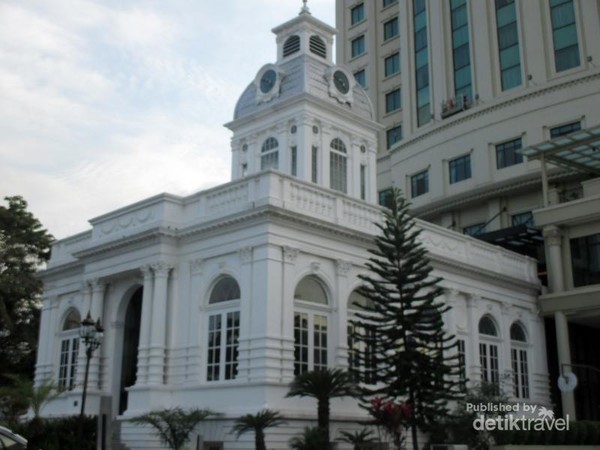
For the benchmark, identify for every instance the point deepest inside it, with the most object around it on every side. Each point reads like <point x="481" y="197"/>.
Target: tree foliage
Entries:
<point x="24" y="245"/>
<point x="323" y="385"/>
<point x="357" y="438"/>
<point x="257" y="423"/>
<point x="21" y="394"/>
<point x="402" y="323"/>
<point x="173" y="425"/>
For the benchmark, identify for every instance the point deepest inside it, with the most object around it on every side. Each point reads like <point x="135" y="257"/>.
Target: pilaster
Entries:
<point x="289" y="258"/>
<point x="156" y="351"/>
<point x="146" y="322"/>
<point x="98" y="288"/>
<point x="340" y="313"/>
<point x="474" y="368"/>
<point x="244" y="344"/>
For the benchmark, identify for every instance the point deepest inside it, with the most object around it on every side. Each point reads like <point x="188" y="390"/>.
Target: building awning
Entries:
<point x="513" y="237"/>
<point x="579" y="150"/>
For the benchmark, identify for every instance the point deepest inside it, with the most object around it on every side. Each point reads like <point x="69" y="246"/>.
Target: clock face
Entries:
<point x="267" y="81"/>
<point x="341" y="81"/>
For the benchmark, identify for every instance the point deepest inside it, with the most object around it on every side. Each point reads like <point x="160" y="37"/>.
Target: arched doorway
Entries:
<point x="131" y="341"/>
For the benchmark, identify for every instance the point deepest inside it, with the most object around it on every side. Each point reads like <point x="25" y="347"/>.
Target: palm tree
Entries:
<point x="357" y="438"/>
<point x="173" y="425"/>
<point x="323" y="385"/>
<point x="311" y="438"/>
<point x="258" y="422"/>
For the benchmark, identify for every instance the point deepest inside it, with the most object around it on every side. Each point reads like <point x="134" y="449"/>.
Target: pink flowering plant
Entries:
<point x="392" y="417"/>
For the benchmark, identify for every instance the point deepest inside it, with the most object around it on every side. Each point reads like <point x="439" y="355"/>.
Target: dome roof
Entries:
<point x="304" y="75"/>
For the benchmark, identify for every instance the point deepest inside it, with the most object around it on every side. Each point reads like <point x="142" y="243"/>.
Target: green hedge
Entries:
<point x="583" y="432"/>
<point x="59" y="434"/>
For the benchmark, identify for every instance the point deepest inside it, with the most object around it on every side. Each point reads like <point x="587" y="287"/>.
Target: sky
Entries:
<point x="106" y="102"/>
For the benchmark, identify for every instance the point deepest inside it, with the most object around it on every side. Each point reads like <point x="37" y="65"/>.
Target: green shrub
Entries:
<point x="59" y="434"/>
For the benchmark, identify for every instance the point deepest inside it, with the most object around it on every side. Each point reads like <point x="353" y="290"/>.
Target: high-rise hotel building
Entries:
<point x="471" y="93"/>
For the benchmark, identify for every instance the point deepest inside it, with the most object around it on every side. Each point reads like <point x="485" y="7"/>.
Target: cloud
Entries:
<point x="107" y="102"/>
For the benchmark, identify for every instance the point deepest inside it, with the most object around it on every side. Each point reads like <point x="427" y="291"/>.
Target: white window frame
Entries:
<point x="269" y="156"/>
<point x="68" y="353"/>
<point x="489" y="354"/>
<point x="338" y="166"/>
<point x="220" y="366"/>
<point x="519" y="359"/>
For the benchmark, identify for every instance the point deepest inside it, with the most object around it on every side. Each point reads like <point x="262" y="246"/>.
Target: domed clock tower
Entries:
<point x="307" y="117"/>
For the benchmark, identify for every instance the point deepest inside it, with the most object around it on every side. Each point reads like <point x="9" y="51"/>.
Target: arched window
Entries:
<point x="291" y="45"/>
<point x="361" y="340"/>
<point x="317" y="46"/>
<point x="338" y="166"/>
<point x="518" y="356"/>
<point x="311" y="312"/>
<point x="69" y="349"/>
<point x="488" y="351"/>
<point x="223" y="330"/>
<point x="269" y="158"/>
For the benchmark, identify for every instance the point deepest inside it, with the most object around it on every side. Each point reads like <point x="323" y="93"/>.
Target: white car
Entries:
<point x="11" y="441"/>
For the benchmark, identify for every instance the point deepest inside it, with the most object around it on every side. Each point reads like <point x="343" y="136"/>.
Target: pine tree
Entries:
<point x="402" y="325"/>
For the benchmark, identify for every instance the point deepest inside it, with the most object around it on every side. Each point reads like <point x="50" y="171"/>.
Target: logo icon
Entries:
<point x="545" y="413"/>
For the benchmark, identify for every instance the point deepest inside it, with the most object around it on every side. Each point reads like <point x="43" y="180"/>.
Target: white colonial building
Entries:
<point x="217" y="299"/>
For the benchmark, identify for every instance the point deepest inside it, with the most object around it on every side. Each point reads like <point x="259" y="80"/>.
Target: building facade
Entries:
<point x="471" y="94"/>
<point x="217" y="300"/>
<point x="478" y="82"/>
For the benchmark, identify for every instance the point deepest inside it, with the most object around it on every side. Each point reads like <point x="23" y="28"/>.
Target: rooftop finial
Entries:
<point x="304" y="9"/>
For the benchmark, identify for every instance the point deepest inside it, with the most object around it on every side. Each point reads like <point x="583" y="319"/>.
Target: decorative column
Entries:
<point x="156" y="351"/>
<point x="553" y="243"/>
<point x="146" y="322"/>
<point x="96" y="309"/>
<point x="556" y="283"/>
<point x="564" y="357"/>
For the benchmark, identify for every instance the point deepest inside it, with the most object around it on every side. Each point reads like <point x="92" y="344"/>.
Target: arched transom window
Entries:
<point x="488" y="351"/>
<point x="269" y="158"/>
<point x="338" y="166"/>
<point x="69" y="349"/>
<point x="223" y="330"/>
<point x="311" y="308"/>
<point x="518" y="356"/>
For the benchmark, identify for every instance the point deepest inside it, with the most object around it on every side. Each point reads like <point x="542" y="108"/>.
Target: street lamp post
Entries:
<point x="91" y="334"/>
